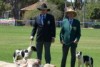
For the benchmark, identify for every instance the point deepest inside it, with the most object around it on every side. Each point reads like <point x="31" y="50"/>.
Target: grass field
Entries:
<point x="12" y="38"/>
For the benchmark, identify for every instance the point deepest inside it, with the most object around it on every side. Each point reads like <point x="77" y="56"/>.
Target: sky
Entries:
<point x="74" y="0"/>
<point x="70" y="0"/>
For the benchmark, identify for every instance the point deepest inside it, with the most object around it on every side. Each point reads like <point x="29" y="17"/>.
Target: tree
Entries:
<point x="17" y="5"/>
<point x="78" y="4"/>
<point x="90" y="8"/>
<point x="95" y="14"/>
<point x="2" y="5"/>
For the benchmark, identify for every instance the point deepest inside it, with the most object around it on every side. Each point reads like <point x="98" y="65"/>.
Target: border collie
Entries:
<point x="84" y="59"/>
<point x="23" y="54"/>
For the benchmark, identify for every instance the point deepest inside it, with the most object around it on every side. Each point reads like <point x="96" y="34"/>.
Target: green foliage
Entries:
<point x="60" y="4"/>
<point x="56" y="1"/>
<point x="95" y="14"/>
<point x="7" y="6"/>
<point x="90" y="9"/>
<point x="24" y="3"/>
<point x="55" y="11"/>
<point x="4" y="6"/>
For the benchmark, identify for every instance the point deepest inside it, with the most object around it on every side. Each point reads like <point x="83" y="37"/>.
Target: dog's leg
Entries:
<point x="90" y="65"/>
<point x="90" y="62"/>
<point x="82" y="62"/>
<point x="86" y="64"/>
<point x="14" y="59"/>
<point x="24" y="59"/>
<point x="78" y="64"/>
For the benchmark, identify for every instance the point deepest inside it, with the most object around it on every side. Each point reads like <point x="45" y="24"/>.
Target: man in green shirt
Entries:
<point x="69" y="36"/>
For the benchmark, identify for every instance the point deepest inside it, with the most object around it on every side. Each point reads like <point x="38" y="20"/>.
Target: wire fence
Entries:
<point x="12" y="22"/>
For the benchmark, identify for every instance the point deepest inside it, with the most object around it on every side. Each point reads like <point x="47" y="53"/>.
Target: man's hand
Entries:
<point x="53" y="39"/>
<point x="75" y="41"/>
<point x="32" y="38"/>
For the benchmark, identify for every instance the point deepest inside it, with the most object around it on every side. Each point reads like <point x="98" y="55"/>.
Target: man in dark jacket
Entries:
<point x="45" y="28"/>
<point x="69" y="36"/>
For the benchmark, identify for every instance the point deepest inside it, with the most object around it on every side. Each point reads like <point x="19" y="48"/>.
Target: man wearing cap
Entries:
<point x="45" y="28"/>
<point x="69" y="36"/>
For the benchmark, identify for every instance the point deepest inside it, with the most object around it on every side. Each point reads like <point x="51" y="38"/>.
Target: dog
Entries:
<point x="23" y="54"/>
<point x="84" y="59"/>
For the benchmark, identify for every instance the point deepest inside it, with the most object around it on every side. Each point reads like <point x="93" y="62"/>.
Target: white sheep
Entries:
<point x="7" y="64"/>
<point x="29" y="62"/>
<point x="49" y="65"/>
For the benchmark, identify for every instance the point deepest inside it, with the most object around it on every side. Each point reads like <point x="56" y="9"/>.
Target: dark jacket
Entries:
<point x="76" y="30"/>
<point x="74" y="33"/>
<point x="44" y="32"/>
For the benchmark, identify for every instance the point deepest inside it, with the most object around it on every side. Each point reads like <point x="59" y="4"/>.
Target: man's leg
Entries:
<point x="47" y="46"/>
<point x="39" y="47"/>
<point x="73" y="54"/>
<point x="65" y="50"/>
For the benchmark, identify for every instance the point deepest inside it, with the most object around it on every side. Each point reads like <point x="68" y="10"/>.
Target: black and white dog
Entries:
<point x="23" y="54"/>
<point x="84" y="59"/>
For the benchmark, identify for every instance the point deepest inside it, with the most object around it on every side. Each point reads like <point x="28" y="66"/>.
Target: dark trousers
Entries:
<point x="39" y="47"/>
<point x="65" y="50"/>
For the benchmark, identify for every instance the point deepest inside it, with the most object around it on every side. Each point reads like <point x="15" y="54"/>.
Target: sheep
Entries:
<point x="25" y="63"/>
<point x="49" y="65"/>
<point x="7" y="64"/>
<point x="29" y="62"/>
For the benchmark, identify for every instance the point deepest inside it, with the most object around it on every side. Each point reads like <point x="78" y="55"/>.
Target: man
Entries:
<point x="45" y="28"/>
<point x="69" y="36"/>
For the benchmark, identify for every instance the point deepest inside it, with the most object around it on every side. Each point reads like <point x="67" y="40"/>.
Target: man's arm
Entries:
<point x="78" y="32"/>
<point x="53" y="27"/>
<point x="34" y="30"/>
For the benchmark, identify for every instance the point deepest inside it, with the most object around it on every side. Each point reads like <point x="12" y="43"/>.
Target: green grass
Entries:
<point x="12" y="38"/>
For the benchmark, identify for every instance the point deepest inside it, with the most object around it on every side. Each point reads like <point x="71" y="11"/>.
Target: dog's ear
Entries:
<point x="26" y="51"/>
<point x="23" y="54"/>
<point x="33" y="48"/>
<point x="80" y="53"/>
